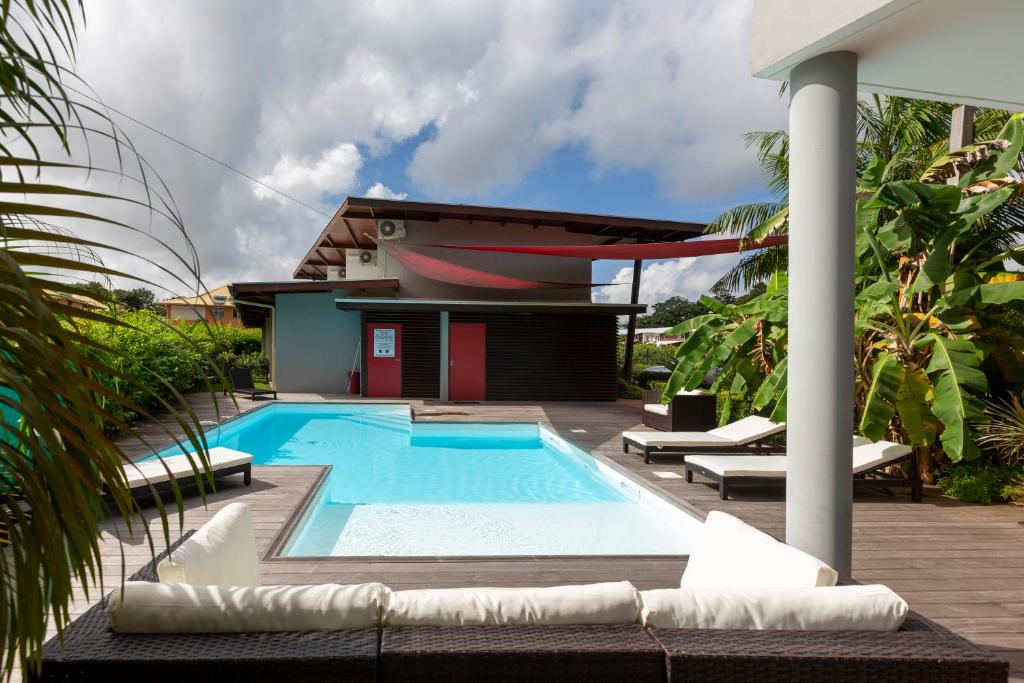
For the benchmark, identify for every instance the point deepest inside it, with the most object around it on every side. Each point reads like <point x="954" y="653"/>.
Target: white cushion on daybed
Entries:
<point x="749" y="429"/>
<point x="156" y="471"/>
<point x="598" y="603"/>
<point x="148" y="607"/>
<point x="741" y="465"/>
<point x="222" y="552"/>
<point x="836" y="608"/>
<point x="869" y="456"/>
<point x="659" y="408"/>
<point x="739" y="433"/>
<point x="730" y="553"/>
<point x="866" y="457"/>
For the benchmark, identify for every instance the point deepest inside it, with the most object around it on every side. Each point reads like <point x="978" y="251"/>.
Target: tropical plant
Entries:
<point x="55" y="456"/>
<point x="902" y="136"/>
<point x="933" y="298"/>
<point x="1003" y="433"/>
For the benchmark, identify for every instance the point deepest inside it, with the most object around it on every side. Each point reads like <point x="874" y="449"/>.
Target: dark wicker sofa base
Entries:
<point x="921" y="651"/>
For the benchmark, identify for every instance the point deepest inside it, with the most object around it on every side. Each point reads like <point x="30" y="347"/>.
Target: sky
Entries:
<point x="634" y="108"/>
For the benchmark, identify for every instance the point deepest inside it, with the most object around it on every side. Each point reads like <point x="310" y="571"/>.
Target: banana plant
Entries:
<point x="935" y="307"/>
<point x="933" y="294"/>
<point x="746" y="342"/>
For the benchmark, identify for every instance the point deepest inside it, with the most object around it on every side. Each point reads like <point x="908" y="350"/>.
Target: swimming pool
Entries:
<point x="398" y="488"/>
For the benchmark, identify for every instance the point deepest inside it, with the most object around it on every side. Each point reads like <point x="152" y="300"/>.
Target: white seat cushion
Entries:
<point x="741" y="465"/>
<point x="599" y="603"/>
<point x="221" y="553"/>
<point x="658" y="408"/>
<point x="748" y="430"/>
<point x="729" y="553"/>
<point x="682" y="439"/>
<point x="836" y="608"/>
<point x="155" y="471"/>
<point x="147" y="607"/>
<point x="866" y="457"/>
<point x="870" y="456"/>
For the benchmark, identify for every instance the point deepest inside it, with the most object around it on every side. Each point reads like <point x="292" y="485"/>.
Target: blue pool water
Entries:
<point x="399" y="488"/>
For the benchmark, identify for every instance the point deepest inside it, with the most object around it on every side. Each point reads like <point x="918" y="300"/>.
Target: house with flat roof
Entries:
<point x="215" y="307"/>
<point x="395" y="291"/>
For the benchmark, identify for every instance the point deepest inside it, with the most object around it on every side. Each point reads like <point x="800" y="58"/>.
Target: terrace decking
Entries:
<point x="962" y="565"/>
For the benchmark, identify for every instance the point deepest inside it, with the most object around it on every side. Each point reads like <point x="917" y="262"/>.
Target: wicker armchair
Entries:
<point x="685" y="413"/>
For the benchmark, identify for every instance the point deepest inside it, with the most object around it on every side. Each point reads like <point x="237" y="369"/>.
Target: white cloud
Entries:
<point x="492" y="88"/>
<point x="661" y="280"/>
<point x="335" y="171"/>
<point x="663" y="87"/>
<point x="382" y="191"/>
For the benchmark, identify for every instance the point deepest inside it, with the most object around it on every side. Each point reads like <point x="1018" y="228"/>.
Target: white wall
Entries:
<point x="187" y="312"/>
<point x="315" y="343"/>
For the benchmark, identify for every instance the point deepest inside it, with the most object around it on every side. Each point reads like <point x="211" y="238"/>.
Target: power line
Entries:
<point x="197" y="151"/>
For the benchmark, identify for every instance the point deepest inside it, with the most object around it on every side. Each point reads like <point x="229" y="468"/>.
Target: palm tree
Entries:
<point x="55" y="456"/>
<point x="908" y="135"/>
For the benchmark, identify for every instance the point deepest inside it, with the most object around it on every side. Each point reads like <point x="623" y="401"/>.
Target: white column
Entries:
<point x="822" y="169"/>
<point x="444" y="356"/>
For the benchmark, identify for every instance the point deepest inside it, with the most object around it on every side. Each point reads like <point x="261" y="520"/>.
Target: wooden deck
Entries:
<point x="962" y="565"/>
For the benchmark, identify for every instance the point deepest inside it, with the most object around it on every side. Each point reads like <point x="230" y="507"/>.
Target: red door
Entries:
<point x="384" y="359"/>
<point x="467" y="361"/>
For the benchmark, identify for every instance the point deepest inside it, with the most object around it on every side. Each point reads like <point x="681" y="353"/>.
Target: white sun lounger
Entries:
<point x="743" y="436"/>
<point x="767" y="470"/>
<point x="158" y="473"/>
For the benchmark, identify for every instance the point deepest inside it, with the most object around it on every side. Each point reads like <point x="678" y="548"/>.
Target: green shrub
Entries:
<point x="732" y="408"/>
<point x="629" y="389"/>
<point x="186" y="356"/>
<point x="647" y="355"/>
<point x="984" y="483"/>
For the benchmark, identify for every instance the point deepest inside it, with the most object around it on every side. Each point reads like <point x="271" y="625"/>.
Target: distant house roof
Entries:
<point x="652" y="330"/>
<point x="215" y="297"/>
<point x="354" y="223"/>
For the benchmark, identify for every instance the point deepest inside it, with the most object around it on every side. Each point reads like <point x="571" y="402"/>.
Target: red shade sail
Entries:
<point x="455" y="274"/>
<point x="630" y="252"/>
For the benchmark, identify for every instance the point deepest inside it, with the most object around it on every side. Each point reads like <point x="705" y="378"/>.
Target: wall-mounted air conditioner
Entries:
<point x="390" y="229"/>
<point x="361" y="264"/>
<point x="335" y="272"/>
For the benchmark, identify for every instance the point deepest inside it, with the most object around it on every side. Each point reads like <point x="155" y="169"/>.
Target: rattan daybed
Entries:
<point x="920" y="651"/>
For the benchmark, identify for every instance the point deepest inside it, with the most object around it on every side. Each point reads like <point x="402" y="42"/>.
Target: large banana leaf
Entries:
<point x="958" y="381"/>
<point x="880" y="405"/>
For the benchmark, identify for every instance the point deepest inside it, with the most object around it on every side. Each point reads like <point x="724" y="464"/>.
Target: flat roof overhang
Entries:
<point x="263" y="294"/>
<point x="909" y="48"/>
<point x="432" y="305"/>
<point x="354" y="223"/>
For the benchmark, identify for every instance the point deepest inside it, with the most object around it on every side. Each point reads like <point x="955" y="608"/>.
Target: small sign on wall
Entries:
<point x="384" y="343"/>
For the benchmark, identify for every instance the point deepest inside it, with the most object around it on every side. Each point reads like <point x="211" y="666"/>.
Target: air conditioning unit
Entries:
<point x="389" y="229"/>
<point x="361" y="264"/>
<point x="335" y="272"/>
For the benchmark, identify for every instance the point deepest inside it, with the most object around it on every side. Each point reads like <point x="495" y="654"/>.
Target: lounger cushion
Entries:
<point x="730" y="553"/>
<point x="748" y="430"/>
<point x="676" y="439"/>
<point x="836" y="608"/>
<point x="741" y="465"/>
<point x="221" y="553"/>
<point x="870" y="456"/>
<point x="148" y="607"/>
<point x="156" y="471"/>
<point x="867" y="456"/>
<point x="657" y="408"/>
<point x="599" y="603"/>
